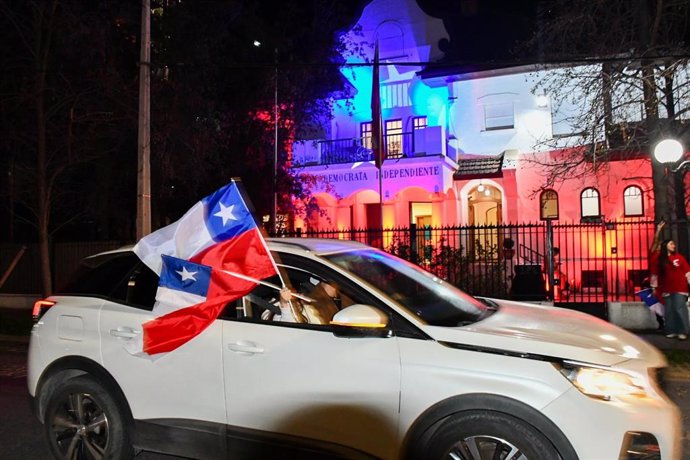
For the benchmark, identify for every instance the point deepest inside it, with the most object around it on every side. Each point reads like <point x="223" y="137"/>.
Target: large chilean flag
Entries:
<point x="215" y="240"/>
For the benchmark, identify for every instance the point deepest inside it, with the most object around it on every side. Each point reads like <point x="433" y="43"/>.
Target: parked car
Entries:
<point x="408" y="366"/>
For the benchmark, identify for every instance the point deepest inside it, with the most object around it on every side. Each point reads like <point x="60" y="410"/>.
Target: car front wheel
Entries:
<point x="83" y="421"/>
<point x="481" y="435"/>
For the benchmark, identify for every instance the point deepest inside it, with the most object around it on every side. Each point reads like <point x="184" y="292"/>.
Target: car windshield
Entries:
<point x="435" y="301"/>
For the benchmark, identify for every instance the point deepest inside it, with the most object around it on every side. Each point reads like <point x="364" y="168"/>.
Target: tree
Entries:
<point x="622" y="80"/>
<point x="213" y="99"/>
<point x="63" y="100"/>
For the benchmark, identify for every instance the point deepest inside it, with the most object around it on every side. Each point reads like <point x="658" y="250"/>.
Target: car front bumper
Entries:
<point x="601" y="429"/>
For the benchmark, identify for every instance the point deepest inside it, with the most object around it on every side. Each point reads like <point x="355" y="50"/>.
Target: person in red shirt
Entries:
<point x="671" y="276"/>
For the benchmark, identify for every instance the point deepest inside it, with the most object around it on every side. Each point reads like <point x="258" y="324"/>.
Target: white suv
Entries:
<point x="406" y="366"/>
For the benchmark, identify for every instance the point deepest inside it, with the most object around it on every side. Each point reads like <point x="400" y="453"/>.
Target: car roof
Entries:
<point x="318" y="246"/>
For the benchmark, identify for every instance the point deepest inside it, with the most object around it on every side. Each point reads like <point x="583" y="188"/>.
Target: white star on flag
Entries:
<point x="226" y="213"/>
<point x="187" y="275"/>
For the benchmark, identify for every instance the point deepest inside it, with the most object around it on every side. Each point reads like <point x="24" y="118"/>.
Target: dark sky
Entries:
<point x="483" y="30"/>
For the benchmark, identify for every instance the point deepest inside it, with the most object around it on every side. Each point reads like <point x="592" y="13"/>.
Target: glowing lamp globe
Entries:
<point x="668" y="151"/>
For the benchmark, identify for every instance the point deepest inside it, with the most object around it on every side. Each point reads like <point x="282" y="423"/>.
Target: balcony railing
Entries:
<point x="420" y="142"/>
<point x="341" y="151"/>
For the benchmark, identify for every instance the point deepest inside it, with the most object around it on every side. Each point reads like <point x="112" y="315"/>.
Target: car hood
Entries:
<point x="552" y="332"/>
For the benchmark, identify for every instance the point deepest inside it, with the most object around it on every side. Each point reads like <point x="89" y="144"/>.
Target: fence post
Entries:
<point x="413" y="243"/>
<point x="549" y="259"/>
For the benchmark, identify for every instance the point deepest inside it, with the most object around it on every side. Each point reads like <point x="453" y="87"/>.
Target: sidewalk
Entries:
<point x="659" y="340"/>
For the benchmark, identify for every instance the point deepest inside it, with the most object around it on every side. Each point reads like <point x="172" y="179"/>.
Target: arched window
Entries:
<point x="548" y="201"/>
<point x="633" y="204"/>
<point x="589" y="203"/>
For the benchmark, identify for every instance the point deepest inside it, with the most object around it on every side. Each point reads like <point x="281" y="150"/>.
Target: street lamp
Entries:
<point x="670" y="152"/>
<point x="274" y="219"/>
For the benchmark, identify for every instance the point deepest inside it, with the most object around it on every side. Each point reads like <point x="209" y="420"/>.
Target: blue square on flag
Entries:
<point x="182" y="275"/>
<point x="226" y="214"/>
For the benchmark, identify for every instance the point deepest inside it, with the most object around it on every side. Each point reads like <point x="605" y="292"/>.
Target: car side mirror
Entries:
<point x="361" y="321"/>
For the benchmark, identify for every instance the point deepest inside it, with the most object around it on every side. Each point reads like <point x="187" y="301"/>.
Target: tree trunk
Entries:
<point x="43" y="30"/>
<point x="43" y="210"/>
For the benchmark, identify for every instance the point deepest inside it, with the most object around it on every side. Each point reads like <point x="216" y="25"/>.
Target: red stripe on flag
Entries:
<point x="245" y="254"/>
<point x="167" y="332"/>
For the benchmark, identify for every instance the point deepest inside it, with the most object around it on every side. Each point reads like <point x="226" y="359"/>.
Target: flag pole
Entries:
<point x="381" y="200"/>
<point x="267" y="284"/>
<point x="243" y="196"/>
<point x="377" y="131"/>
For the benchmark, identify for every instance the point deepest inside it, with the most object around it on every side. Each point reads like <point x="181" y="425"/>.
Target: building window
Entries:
<point x="549" y="205"/>
<point x="632" y="201"/>
<point x="589" y="203"/>
<point x="499" y="116"/>
<point x="365" y="134"/>
<point x="394" y="139"/>
<point x="419" y="123"/>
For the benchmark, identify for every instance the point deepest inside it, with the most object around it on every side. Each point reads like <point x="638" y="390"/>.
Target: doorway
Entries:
<point x="420" y="215"/>
<point x="374" y="225"/>
<point x="485" y="212"/>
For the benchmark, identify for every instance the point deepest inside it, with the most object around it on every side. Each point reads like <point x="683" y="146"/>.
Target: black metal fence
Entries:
<point x="574" y="263"/>
<point x="565" y="262"/>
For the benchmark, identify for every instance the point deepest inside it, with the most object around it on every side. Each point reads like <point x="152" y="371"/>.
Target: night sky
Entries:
<point x="483" y="30"/>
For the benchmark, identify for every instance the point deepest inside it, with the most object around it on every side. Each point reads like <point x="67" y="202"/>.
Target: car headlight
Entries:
<point x="603" y="383"/>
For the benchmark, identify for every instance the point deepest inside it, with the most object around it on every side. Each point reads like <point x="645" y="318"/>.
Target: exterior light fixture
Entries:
<point x="257" y="43"/>
<point x="668" y="151"/>
<point x="542" y="101"/>
<point x="480" y="188"/>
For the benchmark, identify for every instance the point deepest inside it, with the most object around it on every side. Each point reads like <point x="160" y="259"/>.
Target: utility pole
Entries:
<point x="144" y="141"/>
<point x="275" y="145"/>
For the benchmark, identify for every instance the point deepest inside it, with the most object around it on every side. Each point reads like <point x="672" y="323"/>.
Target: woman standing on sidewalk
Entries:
<point x="671" y="275"/>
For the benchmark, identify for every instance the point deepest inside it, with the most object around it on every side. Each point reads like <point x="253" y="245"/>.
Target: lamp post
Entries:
<point x="669" y="152"/>
<point x="274" y="211"/>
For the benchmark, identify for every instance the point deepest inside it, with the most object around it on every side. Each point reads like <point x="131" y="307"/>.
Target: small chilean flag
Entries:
<point x="214" y="254"/>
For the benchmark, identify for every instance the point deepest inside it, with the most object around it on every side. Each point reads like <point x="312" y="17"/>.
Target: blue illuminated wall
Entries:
<point x="405" y="35"/>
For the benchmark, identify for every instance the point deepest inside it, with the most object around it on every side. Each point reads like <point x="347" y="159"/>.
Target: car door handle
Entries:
<point x="245" y="347"/>
<point x="124" y="332"/>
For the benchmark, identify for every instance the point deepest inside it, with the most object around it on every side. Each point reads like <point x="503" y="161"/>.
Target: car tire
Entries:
<point x="83" y="421"/>
<point x="475" y="435"/>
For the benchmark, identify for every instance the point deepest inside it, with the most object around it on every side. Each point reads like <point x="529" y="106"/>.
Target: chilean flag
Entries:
<point x="214" y="254"/>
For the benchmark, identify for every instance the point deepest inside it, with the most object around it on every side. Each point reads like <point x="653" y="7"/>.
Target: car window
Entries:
<point x="329" y="293"/>
<point x="120" y="277"/>
<point x="101" y="275"/>
<point x="142" y="285"/>
<point x="430" y="298"/>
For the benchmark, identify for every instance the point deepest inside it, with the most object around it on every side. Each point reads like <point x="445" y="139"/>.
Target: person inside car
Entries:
<point x="326" y="303"/>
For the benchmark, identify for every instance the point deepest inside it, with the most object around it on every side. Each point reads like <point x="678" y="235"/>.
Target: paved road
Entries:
<point x="21" y="436"/>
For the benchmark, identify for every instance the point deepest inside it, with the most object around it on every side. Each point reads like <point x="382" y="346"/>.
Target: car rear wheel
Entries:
<point x="481" y="435"/>
<point x="83" y="422"/>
